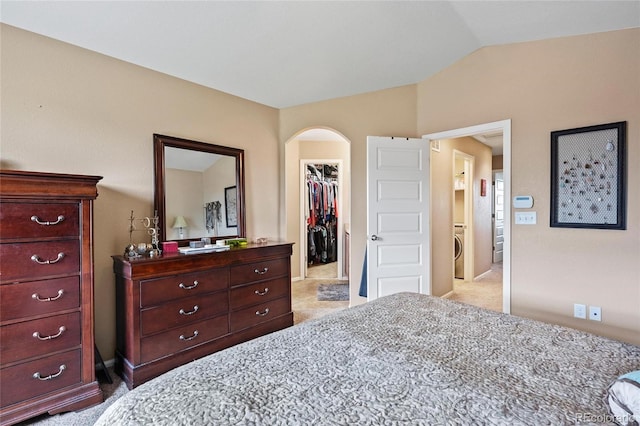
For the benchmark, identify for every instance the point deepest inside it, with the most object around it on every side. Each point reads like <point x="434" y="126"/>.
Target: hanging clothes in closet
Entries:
<point x="322" y="223"/>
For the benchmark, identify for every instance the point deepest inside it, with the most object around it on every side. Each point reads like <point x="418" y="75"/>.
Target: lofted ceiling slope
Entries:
<point x="287" y="53"/>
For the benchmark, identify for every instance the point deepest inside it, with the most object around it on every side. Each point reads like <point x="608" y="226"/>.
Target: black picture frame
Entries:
<point x="231" y="206"/>
<point x="588" y="177"/>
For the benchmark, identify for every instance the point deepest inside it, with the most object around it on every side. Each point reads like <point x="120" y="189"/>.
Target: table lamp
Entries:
<point x="180" y="223"/>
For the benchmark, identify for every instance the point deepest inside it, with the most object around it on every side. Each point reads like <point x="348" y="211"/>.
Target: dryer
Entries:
<point x="458" y="250"/>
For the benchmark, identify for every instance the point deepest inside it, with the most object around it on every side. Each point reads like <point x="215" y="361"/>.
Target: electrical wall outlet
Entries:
<point x="595" y="314"/>
<point x="580" y="310"/>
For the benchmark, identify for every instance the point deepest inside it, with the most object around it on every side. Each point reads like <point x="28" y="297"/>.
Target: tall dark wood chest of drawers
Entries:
<point x="176" y="308"/>
<point x="46" y="294"/>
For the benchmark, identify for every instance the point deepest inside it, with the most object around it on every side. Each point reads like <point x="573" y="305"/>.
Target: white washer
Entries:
<point x="458" y="250"/>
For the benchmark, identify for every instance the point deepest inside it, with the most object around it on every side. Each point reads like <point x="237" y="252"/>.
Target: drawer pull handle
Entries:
<point x="37" y="220"/>
<point x="190" y="287"/>
<point x="37" y="297"/>
<point x="61" y="330"/>
<point x="263" y="292"/>
<point x="264" y="271"/>
<point x="183" y="312"/>
<point x="263" y="313"/>
<point x="50" y="376"/>
<point x="39" y="261"/>
<point x="195" y="334"/>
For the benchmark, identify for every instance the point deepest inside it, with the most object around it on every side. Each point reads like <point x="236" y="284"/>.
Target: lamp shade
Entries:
<point x="180" y="222"/>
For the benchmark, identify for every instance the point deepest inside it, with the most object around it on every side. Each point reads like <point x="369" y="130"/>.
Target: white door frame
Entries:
<point x="505" y="127"/>
<point x="303" y="215"/>
<point x="468" y="246"/>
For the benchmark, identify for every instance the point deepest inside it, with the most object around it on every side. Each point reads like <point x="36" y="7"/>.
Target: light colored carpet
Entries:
<point x="322" y="270"/>
<point x="484" y="292"/>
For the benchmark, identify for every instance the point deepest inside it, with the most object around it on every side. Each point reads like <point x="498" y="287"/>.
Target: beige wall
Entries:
<point x="183" y="196"/>
<point x="497" y="162"/>
<point x="69" y="110"/>
<point x="544" y="86"/>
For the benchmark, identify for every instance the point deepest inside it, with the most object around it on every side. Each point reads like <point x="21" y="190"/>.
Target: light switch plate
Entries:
<point x="580" y="310"/>
<point x="526" y="218"/>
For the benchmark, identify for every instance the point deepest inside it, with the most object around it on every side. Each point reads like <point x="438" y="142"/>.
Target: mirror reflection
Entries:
<point x="195" y="194"/>
<point x="199" y="189"/>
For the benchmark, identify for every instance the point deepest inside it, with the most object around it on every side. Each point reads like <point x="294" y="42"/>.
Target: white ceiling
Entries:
<point x="186" y="159"/>
<point x="284" y="54"/>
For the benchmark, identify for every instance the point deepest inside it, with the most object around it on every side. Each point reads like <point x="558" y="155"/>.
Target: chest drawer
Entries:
<point x="257" y="314"/>
<point x="35" y="378"/>
<point x="183" y="311"/>
<point x="257" y="271"/>
<point x="160" y="290"/>
<point x="260" y="292"/>
<point x="36" y="220"/>
<point x="38" y="297"/>
<point x="30" y="339"/>
<point x="41" y="259"/>
<point x="181" y="338"/>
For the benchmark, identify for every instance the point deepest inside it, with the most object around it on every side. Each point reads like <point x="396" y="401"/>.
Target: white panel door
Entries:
<point x="398" y="242"/>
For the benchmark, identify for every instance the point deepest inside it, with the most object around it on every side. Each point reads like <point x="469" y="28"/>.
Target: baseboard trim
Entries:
<point x="482" y="275"/>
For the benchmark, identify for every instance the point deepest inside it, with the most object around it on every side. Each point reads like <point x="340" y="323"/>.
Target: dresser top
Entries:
<point x="181" y="263"/>
<point x="21" y="183"/>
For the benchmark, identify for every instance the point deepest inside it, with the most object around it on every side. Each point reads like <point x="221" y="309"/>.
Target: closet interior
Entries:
<point x="321" y="204"/>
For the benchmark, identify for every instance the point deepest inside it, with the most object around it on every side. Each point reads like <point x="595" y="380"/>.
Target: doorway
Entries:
<point x="316" y="146"/>
<point x="504" y="129"/>
<point x="463" y="223"/>
<point x="321" y="220"/>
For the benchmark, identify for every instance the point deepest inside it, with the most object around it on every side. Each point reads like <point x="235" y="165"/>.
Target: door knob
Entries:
<point x="374" y="237"/>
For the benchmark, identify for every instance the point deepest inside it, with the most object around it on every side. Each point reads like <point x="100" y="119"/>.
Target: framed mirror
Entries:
<point x="199" y="189"/>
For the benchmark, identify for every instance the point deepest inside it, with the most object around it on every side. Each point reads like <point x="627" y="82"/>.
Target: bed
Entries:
<point x="401" y="359"/>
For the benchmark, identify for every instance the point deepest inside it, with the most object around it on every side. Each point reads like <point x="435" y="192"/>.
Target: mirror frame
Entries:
<point x="162" y="141"/>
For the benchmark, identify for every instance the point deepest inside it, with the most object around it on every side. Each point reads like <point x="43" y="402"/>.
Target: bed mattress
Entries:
<point x="401" y="359"/>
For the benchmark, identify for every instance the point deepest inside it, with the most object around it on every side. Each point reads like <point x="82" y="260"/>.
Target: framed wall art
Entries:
<point x="588" y="174"/>
<point x="231" y="206"/>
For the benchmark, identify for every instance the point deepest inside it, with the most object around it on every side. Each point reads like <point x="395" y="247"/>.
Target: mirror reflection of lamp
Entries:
<point x="179" y="224"/>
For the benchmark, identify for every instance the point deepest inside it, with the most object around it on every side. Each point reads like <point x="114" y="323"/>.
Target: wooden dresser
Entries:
<point x="176" y="308"/>
<point x="46" y="294"/>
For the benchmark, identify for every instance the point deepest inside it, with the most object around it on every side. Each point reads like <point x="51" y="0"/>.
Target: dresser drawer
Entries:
<point x="257" y="314"/>
<point x="182" y="312"/>
<point x="30" y="339"/>
<point x="36" y="220"/>
<point x="182" y="338"/>
<point x="21" y="381"/>
<point x="41" y="259"/>
<point x="160" y="290"/>
<point x="261" y="292"/>
<point x="250" y="272"/>
<point x="38" y="297"/>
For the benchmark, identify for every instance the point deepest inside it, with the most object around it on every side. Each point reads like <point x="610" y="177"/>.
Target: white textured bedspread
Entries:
<point x="405" y="359"/>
